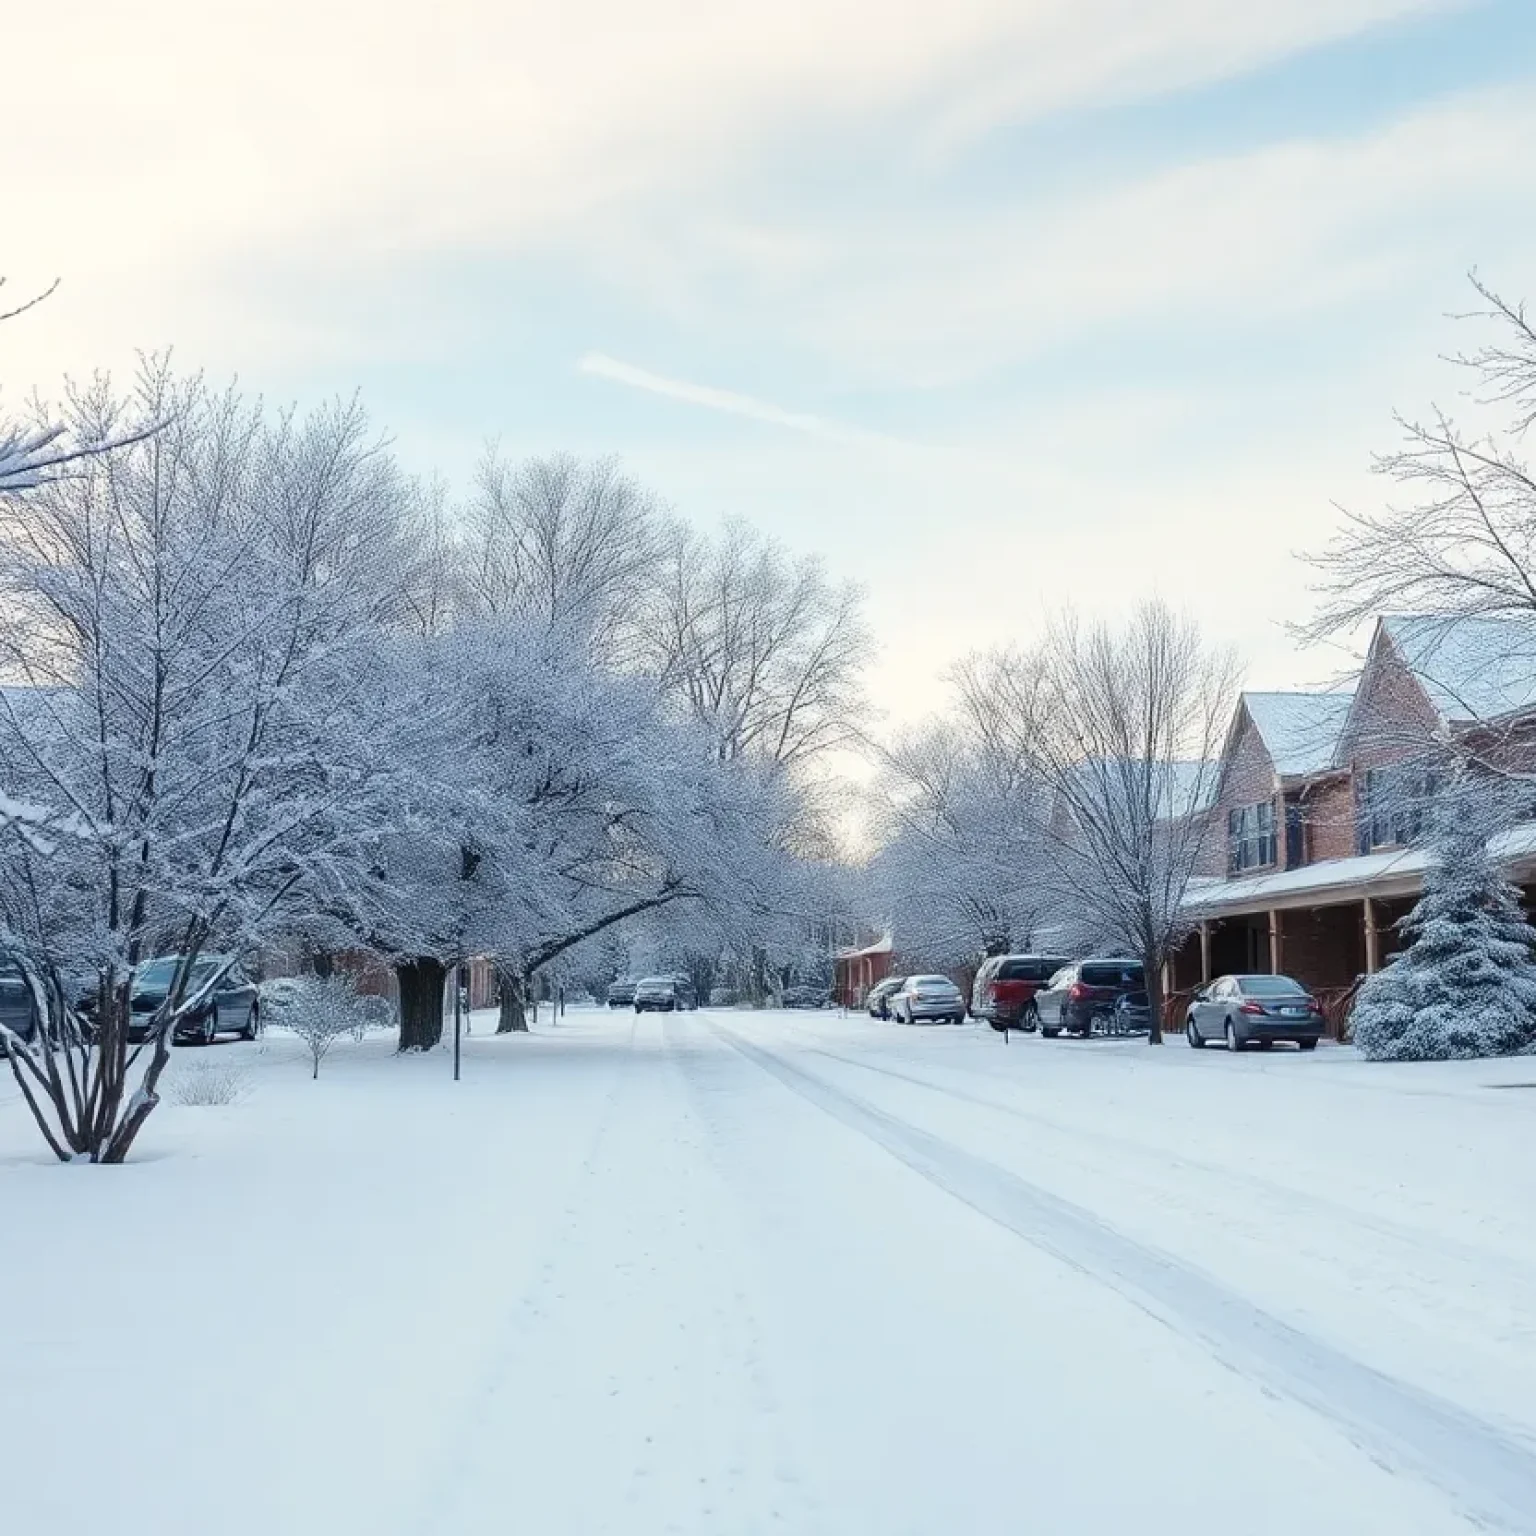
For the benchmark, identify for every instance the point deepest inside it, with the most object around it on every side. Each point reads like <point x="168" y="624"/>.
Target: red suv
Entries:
<point x="1005" y="987"/>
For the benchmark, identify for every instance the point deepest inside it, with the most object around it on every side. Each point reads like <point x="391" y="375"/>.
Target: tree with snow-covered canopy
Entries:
<point x="194" y="627"/>
<point x="1464" y="983"/>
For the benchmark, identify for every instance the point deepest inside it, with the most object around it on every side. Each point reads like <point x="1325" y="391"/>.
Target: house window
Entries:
<point x="1392" y="805"/>
<point x="1251" y="836"/>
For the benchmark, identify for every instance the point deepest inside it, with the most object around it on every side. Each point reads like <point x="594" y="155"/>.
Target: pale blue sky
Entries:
<point x="996" y="305"/>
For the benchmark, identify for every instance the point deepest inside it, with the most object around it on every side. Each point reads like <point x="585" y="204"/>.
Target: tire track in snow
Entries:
<point x="1300" y="1200"/>
<point x="1488" y="1475"/>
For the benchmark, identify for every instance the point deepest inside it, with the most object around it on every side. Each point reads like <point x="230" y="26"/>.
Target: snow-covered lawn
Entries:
<point x="726" y="1272"/>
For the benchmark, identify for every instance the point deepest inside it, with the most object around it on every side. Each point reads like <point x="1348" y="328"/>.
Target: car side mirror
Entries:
<point x="1199" y="995"/>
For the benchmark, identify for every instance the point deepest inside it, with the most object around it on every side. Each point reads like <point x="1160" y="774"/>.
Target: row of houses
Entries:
<point x="1310" y="854"/>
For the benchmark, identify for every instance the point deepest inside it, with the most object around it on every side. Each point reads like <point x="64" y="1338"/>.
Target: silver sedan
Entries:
<point x="928" y="999"/>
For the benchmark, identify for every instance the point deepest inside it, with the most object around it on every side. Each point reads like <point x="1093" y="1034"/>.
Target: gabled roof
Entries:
<point x="1299" y="730"/>
<point x="1477" y="668"/>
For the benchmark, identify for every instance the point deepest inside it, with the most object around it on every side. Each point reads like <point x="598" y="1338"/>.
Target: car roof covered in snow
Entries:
<point x="1477" y="668"/>
<point x="1300" y="730"/>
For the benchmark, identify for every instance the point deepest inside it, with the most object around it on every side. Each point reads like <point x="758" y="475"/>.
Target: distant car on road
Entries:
<point x="1239" y="1011"/>
<point x="928" y="999"/>
<point x="1087" y="990"/>
<point x="1005" y="988"/>
<point x="805" y="997"/>
<point x="878" y="1000"/>
<point x="656" y="994"/>
<point x="621" y="994"/>
<point x="683" y="993"/>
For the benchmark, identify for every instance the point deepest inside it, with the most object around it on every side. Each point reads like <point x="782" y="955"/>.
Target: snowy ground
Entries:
<point x="727" y="1273"/>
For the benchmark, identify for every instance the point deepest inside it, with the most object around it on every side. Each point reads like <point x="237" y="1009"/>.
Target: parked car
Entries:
<point x="1080" y="993"/>
<point x="1246" y="1010"/>
<point x="232" y="1007"/>
<point x="683" y="992"/>
<point x="17" y="1011"/>
<point x="1005" y="988"/>
<point x="656" y="994"/>
<point x="1132" y="1014"/>
<point x="878" y="1000"/>
<point x="806" y="997"/>
<point x="621" y="994"/>
<point x="928" y="998"/>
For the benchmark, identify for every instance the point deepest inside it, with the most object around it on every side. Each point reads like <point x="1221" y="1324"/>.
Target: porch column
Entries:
<point x="1372" y="939"/>
<point x="1276" y="942"/>
<point x="1205" y="952"/>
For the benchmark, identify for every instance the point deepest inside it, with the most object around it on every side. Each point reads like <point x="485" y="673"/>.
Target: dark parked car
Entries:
<point x="1005" y="988"/>
<point x="656" y="994"/>
<point x="1083" y="992"/>
<point x="17" y="1012"/>
<point x="1244" y="1010"/>
<point x="683" y="992"/>
<point x="927" y="999"/>
<point x="621" y="994"/>
<point x="232" y="1007"/>
<point x="878" y="1000"/>
<point x="806" y="997"/>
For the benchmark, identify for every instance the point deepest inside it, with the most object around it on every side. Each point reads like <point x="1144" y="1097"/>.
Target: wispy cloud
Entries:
<point x="600" y="365"/>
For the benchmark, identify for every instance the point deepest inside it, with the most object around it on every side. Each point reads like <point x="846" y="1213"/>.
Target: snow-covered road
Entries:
<point x="732" y="1272"/>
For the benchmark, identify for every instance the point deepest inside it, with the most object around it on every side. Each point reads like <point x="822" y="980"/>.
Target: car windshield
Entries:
<point x="1269" y="986"/>
<point x="155" y="975"/>
<point x="931" y="983"/>
<point x="1111" y="973"/>
<point x="651" y="983"/>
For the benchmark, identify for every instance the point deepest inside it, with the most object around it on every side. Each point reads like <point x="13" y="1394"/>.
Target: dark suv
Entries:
<point x="1084" y="991"/>
<point x="1005" y="988"/>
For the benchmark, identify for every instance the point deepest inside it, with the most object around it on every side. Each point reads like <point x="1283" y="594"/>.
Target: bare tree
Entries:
<point x="1463" y="541"/>
<point x="961" y="872"/>
<point x="32" y="455"/>
<point x="562" y="541"/>
<point x="1454" y="562"/>
<point x="762" y="650"/>
<point x="1125" y="728"/>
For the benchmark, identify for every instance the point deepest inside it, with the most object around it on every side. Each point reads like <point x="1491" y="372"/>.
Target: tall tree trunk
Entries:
<point x="1152" y="970"/>
<point x="513" y="1016"/>
<point x="421" y="1002"/>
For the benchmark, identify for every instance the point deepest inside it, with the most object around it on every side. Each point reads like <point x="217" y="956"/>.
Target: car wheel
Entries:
<point x="1307" y="1045"/>
<point x="252" y="1023"/>
<point x="1233" y="1043"/>
<point x="1049" y="1034"/>
<point x="1266" y="1045"/>
<point x="1193" y="1035"/>
<point x="211" y="1027"/>
<point x="1029" y="1020"/>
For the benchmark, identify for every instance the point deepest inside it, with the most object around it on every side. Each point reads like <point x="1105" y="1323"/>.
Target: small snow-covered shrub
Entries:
<point x="207" y="1085"/>
<point x="321" y="1009"/>
<point x="1464" y="984"/>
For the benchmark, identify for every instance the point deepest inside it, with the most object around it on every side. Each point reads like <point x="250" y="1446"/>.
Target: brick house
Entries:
<point x="1310" y="857"/>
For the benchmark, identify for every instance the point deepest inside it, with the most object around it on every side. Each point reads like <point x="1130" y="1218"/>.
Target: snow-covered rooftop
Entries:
<point x="1477" y="668"/>
<point x="1341" y="878"/>
<point x="1301" y="730"/>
